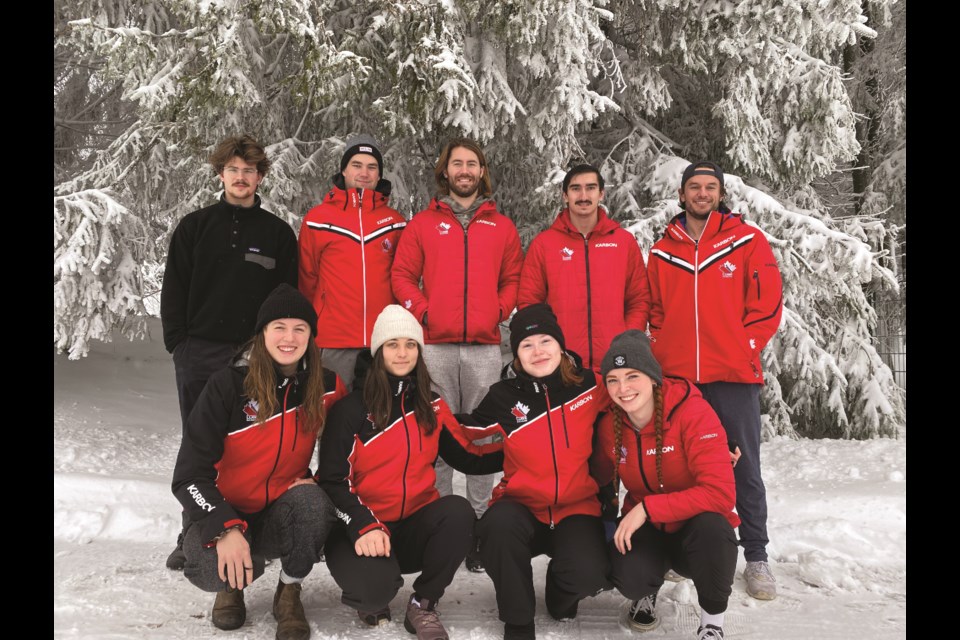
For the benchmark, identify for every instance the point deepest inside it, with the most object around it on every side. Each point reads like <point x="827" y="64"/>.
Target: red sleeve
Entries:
<point x="309" y="261"/>
<point x="656" y="300"/>
<point x="764" y="296"/>
<point x="533" y="277"/>
<point x="509" y="282"/>
<point x="464" y="435"/>
<point x="601" y="458"/>
<point x="407" y="270"/>
<point x="708" y="458"/>
<point x="637" y="292"/>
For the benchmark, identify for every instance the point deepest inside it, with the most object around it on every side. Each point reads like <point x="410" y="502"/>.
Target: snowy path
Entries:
<point x="837" y="525"/>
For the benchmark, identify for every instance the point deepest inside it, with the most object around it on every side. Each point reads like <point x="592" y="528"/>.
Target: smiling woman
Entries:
<point x="242" y="473"/>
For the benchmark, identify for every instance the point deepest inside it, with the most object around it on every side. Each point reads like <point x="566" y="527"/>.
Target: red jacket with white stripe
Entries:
<point x="716" y="302"/>
<point x="375" y="476"/>
<point x="697" y="473"/>
<point x="229" y="467"/>
<point x="547" y="431"/>
<point x="470" y="276"/>
<point x="597" y="285"/>
<point x="347" y="245"/>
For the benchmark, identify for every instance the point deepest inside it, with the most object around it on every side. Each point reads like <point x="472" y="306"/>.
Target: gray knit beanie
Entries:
<point x="631" y="350"/>
<point x="361" y="144"/>
<point x="395" y="322"/>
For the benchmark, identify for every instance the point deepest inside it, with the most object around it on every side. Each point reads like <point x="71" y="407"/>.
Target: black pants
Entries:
<point x="194" y="361"/>
<point x="293" y="528"/>
<point x="704" y="550"/>
<point x="510" y="537"/>
<point x="434" y="541"/>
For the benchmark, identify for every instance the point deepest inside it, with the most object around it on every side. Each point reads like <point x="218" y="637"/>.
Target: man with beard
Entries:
<point x="223" y="262"/>
<point x="469" y="258"/>
<point x="347" y="244"/>
<point x="716" y="302"/>
<point x="588" y="269"/>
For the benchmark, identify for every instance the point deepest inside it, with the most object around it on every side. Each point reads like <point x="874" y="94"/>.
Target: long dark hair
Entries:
<point x="260" y="385"/>
<point x="618" y="419"/>
<point x="378" y="393"/>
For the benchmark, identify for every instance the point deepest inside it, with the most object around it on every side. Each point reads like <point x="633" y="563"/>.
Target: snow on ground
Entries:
<point x="837" y="525"/>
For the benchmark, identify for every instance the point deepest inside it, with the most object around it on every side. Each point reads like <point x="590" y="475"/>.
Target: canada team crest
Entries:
<point x="520" y="412"/>
<point x="386" y="245"/>
<point x="250" y="410"/>
<point x="566" y="254"/>
<point x="443" y="228"/>
<point x="727" y="269"/>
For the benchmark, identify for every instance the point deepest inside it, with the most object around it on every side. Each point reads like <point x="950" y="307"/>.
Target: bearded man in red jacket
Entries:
<point x="588" y="269"/>
<point x="717" y="300"/>
<point x="468" y="256"/>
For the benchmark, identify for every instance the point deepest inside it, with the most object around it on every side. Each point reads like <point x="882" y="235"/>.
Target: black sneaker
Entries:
<point x="177" y="559"/>
<point x="375" y="618"/>
<point x="473" y="561"/>
<point x="710" y="632"/>
<point x="643" y="614"/>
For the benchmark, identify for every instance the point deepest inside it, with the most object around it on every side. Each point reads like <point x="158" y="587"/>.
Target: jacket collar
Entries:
<point x="605" y="225"/>
<point x="367" y="199"/>
<point x="486" y="208"/>
<point x="529" y="384"/>
<point x="718" y="222"/>
<point x="401" y="385"/>
<point x="235" y="208"/>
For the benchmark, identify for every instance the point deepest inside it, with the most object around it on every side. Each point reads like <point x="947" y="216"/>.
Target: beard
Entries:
<point x="465" y="191"/>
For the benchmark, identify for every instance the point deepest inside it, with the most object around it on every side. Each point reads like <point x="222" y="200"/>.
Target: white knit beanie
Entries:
<point x="395" y="322"/>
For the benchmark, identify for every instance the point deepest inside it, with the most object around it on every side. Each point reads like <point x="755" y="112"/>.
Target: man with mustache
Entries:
<point x="223" y="262"/>
<point x="717" y="299"/>
<point x="469" y="257"/>
<point x="588" y="269"/>
<point x="347" y="243"/>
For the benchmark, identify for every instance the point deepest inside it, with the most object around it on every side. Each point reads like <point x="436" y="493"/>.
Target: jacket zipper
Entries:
<point x="696" y="300"/>
<point x="553" y="450"/>
<point x="406" y="464"/>
<point x="363" y="268"/>
<point x="466" y="251"/>
<point x="643" y="474"/>
<point x="756" y="276"/>
<point x="586" y="259"/>
<point x="283" y="414"/>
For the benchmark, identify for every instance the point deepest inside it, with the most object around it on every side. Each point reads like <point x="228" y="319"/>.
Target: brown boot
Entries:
<point x="424" y="620"/>
<point x="229" y="612"/>
<point x="287" y="609"/>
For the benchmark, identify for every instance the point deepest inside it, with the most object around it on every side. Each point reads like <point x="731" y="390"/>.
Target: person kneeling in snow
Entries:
<point x="242" y="472"/>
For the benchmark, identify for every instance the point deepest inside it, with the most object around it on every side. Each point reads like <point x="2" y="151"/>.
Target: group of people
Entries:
<point x="375" y="340"/>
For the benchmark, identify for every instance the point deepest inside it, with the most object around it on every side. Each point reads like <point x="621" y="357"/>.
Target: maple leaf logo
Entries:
<point x="250" y="409"/>
<point x="520" y="412"/>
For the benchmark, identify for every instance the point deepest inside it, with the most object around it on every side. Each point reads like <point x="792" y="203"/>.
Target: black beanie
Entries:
<point x="361" y="144"/>
<point x="529" y="321"/>
<point x="631" y="350"/>
<point x="286" y="302"/>
<point x="703" y="168"/>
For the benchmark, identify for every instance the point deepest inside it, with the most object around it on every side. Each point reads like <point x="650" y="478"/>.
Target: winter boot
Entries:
<point x="519" y="631"/>
<point x="760" y="581"/>
<point x="643" y="614"/>
<point x="423" y="619"/>
<point x="229" y="612"/>
<point x="288" y="612"/>
<point x="375" y="618"/>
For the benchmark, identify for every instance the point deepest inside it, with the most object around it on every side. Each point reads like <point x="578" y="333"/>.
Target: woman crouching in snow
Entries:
<point x="377" y="461"/>
<point x="242" y="473"/>
<point x="547" y="501"/>
<point x="666" y="444"/>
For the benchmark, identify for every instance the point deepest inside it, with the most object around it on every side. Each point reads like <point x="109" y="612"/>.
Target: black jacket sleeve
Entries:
<point x="194" y="476"/>
<point x="175" y="291"/>
<point x="334" y="468"/>
<point x="287" y="257"/>
<point x="458" y="450"/>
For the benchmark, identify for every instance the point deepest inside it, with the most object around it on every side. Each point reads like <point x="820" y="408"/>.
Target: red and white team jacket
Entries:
<point x="597" y="285"/>
<point x="347" y="244"/>
<point x="374" y="476"/>
<point x="547" y="433"/>
<point x="470" y="277"/>
<point x="229" y="467"/>
<point x="716" y="302"/>
<point x="697" y="473"/>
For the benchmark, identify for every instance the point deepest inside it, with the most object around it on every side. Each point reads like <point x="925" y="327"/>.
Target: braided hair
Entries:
<point x="618" y="419"/>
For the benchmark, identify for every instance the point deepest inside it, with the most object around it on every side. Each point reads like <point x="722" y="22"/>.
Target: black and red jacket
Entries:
<point x="695" y="462"/>
<point x="547" y="431"/>
<point x="715" y="302"/>
<point x="597" y="285"/>
<point x="375" y="476"/>
<point x="470" y="276"/>
<point x="347" y="244"/>
<point x="229" y="467"/>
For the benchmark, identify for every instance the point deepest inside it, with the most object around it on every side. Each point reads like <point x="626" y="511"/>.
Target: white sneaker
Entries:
<point x="710" y="632"/>
<point x="760" y="581"/>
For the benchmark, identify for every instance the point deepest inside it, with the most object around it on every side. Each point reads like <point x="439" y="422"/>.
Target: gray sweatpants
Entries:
<point x="294" y="528"/>
<point x="342" y="363"/>
<point x="462" y="375"/>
